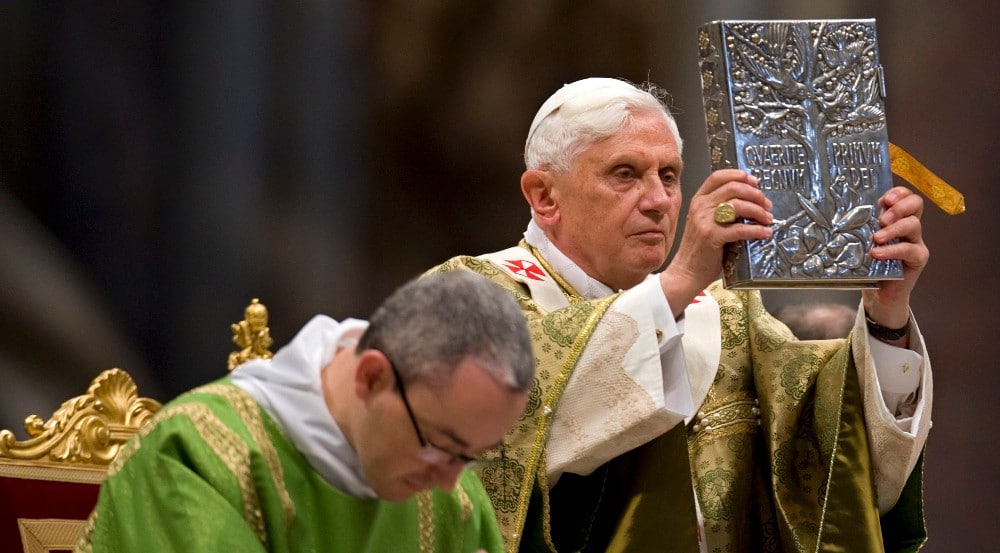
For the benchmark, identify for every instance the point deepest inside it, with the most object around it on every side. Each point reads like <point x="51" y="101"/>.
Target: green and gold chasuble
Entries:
<point x="212" y="473"/>
<point x="777" y="452"/>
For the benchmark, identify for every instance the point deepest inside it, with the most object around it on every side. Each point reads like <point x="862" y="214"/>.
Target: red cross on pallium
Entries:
<point x="696" y="298"/>
<point x="525" y="268"/>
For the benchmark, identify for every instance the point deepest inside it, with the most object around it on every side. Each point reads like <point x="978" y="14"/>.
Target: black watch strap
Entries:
<point x="885" y="333"/>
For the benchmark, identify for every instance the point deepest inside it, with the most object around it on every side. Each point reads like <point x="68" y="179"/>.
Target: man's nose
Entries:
<point x="654" y="195"/>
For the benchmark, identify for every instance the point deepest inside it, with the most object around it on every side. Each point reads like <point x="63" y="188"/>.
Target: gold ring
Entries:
<point x="725" y="213"/>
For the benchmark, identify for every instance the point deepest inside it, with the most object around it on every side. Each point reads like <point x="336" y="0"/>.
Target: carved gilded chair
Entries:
<point x="49" y="482"/>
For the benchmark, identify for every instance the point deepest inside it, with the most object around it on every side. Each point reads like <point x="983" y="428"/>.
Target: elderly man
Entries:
<point x="671" y="414"/>
<point x="338" y="443"/>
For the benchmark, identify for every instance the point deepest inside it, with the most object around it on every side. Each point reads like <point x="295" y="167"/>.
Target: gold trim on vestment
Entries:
<point x="224" y="442"/>
<point x="84" y="545"/>
<point x="234" y="453"/>
<point x="544" y="421"/>
<point x="464" y="502"/>
<point x="735" y="413"/>
<point x="510" y="483"/>
<point x="850" y="520"/>
<point x="425" y="522"/>
<point x="831" y="463"/>
<point x="923" y="512"/>
<point x="543" y="483"/>
<point x="249" y="412"/>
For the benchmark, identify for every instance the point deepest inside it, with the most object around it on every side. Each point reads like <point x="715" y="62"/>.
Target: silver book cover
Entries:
<point x="801" y="106"/>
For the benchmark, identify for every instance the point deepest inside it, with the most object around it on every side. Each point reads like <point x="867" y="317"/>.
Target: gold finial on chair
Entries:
<point x="87" y="429"/>
<point x="252" y="335"/>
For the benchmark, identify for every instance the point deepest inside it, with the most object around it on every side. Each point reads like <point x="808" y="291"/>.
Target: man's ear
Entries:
<point x="537" y="187"/>
<point x="372" y="374"/>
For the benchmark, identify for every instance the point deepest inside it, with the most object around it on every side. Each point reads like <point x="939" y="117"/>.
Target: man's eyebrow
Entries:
<point x="620" y="157"/>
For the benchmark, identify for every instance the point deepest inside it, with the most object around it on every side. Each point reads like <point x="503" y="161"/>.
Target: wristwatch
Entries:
<point x="885" y="333"/>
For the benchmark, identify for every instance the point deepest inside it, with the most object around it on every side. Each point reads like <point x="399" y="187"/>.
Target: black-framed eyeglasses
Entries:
<point x="429" y="452"/>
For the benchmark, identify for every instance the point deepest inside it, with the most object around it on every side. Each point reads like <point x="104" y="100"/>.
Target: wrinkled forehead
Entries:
<point x="595" y="87"/>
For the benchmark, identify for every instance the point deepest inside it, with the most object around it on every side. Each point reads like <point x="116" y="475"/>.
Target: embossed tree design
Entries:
<point x="809" y="84"/>
<point x="806" y="84"/>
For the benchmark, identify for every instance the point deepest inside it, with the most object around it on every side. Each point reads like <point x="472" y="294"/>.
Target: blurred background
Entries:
<point x="162" y="163"/>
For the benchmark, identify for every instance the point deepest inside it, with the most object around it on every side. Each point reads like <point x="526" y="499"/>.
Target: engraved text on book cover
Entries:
<point x="801" y="106"/>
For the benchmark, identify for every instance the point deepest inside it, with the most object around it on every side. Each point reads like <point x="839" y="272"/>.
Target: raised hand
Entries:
<point x="698" y="260"/>
<point x="901" y="209"/>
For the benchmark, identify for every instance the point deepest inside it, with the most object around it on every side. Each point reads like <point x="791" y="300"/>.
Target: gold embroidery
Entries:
<point x="425" y="522"/>
<point x="544" y="421"/>
<point x="509" y="484"/>
<point x="223" y="441"/>
<point x="923" y="513"/>
<point x="831" y="460"/>
<point x="249" y="413"/>
<point x="84" y="545"/>
<point x="131" y="446"/>
<point x="463" y="502"/>
<point x="736" y="413"/>
<point x="723" y="454"/>
<point x="234" y="453"/>
<point x="543" y="483"/>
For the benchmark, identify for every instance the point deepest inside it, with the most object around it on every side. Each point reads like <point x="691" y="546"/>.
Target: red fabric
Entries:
<point x="38" y="499"/>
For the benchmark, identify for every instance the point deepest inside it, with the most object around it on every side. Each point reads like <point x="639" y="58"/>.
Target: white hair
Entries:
<point x="587" y="111"/>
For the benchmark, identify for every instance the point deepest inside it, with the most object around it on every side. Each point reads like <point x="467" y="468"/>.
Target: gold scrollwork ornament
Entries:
<point x="87" y="429"/>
